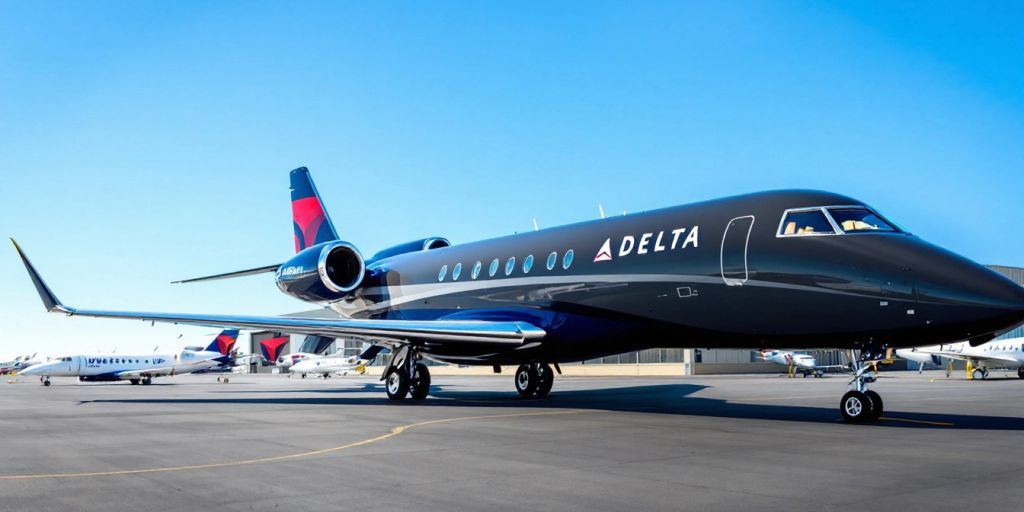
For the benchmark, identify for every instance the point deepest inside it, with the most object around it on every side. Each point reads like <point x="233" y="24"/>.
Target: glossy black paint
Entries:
<point x="842" y="291"/>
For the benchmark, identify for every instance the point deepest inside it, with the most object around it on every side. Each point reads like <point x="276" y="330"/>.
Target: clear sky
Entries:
<point x="142" y="142"/>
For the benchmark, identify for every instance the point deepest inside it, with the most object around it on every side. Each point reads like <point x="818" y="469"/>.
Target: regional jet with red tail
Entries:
<point x="792" y="268"/>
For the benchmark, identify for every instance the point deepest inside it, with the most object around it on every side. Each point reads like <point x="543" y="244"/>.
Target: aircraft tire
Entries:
<point x="225" y="381"/>
<point x="855" y="407"/>
<point x="876" y="404"/>
<point x="420" y="384"/>
<point x="1020" y="372"/>
<point x="396" y="384"/>
<point x="545" y="379"/>
<point x="46" y="382"/>
<point x="526" y="380"/>
<point x="147" y="381"/>
<point x="135" y="382"/>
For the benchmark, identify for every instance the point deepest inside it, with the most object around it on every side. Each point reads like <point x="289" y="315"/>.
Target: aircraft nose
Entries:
<point x="956" y="292"/>
<point x="34" y="369"/>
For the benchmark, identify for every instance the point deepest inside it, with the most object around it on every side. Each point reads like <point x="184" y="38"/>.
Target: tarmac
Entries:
<point x="267" y="442"/>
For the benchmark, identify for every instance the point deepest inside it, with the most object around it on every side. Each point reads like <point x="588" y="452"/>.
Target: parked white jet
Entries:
<point x="797" y="362"/>
<point x="337" y="364"/>
<point x="131" y="367"/>
<point x="286" y="361"/>
<point x="996" y="354"/>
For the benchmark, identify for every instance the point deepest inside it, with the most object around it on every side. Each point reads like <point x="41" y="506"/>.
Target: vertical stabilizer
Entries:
<point x="309" y="219"/>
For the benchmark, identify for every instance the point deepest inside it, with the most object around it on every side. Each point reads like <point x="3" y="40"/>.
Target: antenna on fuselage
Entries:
<point x="600" y="209"/>
<point x="535" y="226"/>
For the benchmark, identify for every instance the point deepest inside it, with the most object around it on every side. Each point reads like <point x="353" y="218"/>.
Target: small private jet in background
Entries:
<point x="798" y="362"/>
<point x="1007" y="354"/>
<point x="335" y="365"/>
<point x="135" y="368"/>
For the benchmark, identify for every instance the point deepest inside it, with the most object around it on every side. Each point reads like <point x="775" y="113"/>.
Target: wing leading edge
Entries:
<point x="382" y="331"/>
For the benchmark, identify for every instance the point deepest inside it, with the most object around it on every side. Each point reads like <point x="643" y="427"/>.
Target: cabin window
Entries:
<point x="552" y="259"/>
<point x="510" y="265"/>
<point x="493" y="269"/>
<point x="527" y="264"/>
<point x="567" y="259"/>
<point x="806" y="223"/>
<point x="476" y="270"/>
<point x="442" y="273"/>
<point x="457" y="271"/>
<point x="853" y="220"/>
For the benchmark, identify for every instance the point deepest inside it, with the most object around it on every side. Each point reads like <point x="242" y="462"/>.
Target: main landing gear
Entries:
<point x="860" y="404"/>
<point x="45" y="381"/>
<point x="223" y="380"/>
<point x="1020" y="372"/>
<point x="534" y="379"/>
<point x="406" y="377"/>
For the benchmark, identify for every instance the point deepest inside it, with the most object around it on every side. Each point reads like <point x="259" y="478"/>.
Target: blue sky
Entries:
<point x="141" y="142"/>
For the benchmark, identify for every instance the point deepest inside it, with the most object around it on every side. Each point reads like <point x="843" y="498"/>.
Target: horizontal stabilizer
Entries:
<point x="229" y="275"/>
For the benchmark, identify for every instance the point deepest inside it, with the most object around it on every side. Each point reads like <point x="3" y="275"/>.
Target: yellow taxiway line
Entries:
<point x="277" y="458"/>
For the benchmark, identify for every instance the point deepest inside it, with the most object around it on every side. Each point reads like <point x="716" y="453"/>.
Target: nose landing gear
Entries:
<point x="860" y="404"/>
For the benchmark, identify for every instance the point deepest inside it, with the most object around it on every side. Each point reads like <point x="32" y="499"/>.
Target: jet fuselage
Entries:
<point x="718" y="274"/>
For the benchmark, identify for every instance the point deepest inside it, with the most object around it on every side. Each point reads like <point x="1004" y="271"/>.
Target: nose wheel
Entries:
<point x="861" y="404"/>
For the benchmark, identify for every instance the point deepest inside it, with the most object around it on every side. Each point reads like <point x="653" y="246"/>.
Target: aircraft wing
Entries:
<point x="389" y="332"/>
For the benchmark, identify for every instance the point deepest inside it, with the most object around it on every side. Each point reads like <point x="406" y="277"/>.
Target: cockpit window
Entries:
<point x="806" y="222"/>
<point x="853" y="220"/>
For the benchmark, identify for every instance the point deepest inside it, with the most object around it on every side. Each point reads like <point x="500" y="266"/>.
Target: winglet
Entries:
<point x="50" y="300"/>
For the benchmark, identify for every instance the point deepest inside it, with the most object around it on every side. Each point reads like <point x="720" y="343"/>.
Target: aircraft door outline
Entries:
<point x="734" y="276"/>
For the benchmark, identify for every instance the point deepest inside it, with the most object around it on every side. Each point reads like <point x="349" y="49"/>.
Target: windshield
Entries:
<point x="811" y="222"/>
<point x="854" y="220"/>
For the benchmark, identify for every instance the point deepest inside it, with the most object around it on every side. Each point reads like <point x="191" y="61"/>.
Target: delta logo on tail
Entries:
<point x="272" y="348"/>
<point x="308" y="216"/>
<point x="224" y="342"/>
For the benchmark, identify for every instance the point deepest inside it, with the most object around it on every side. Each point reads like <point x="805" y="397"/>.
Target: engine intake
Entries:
<point x="325" y="272"/>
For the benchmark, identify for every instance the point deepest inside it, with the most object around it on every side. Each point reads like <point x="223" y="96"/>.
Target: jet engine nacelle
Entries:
<point x="325" y="272"/>
<point x="424" y="244"/>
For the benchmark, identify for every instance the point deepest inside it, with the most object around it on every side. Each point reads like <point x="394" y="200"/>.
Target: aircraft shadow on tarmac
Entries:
<point x="673" y="399"/>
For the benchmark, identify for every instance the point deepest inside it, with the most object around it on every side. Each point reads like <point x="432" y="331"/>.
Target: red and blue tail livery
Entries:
<point x="224" y="342"/>
<point x="310" y="220"/>
<point x="273" y="347"/>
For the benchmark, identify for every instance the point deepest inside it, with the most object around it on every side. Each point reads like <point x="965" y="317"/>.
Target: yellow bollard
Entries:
<point x="970" y="371"/>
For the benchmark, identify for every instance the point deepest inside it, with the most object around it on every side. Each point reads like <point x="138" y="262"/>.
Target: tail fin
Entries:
<point x="310" y="221"/>
<point x="224" y="342"/>
<point x="272" y="348"/>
